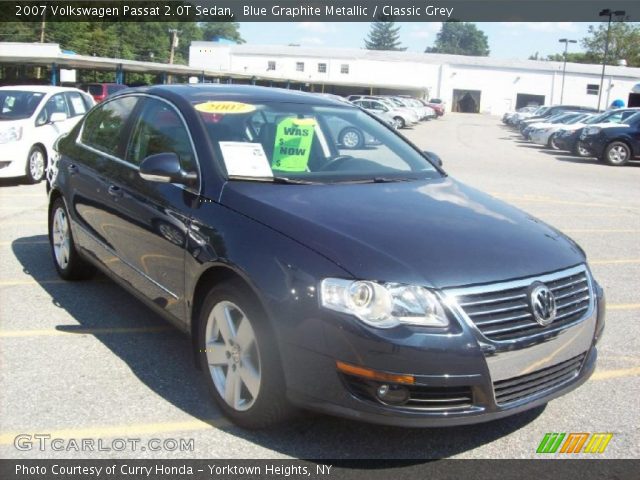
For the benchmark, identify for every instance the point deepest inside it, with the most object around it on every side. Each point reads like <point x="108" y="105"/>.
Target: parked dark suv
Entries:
<point x="364" y="283"/>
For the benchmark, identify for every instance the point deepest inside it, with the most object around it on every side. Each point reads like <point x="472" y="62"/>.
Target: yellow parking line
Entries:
<point x="28" y="222"/>
<point x="27" y="242"/>
<point x="23" y="195"/>
<point x="601" y="230"/>
<point x="623" y="372"/>
<point x="127" y="430"/>
<point x="82" y="331"/>
<point x="535" y="199"/>
<point x="14" y="283"/>
<point x="615" y="261"/>
<point x="623" y="306"/>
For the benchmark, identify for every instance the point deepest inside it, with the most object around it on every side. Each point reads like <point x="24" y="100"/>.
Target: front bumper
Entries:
<point x="13" y="159"/>
<point x="461" y="360"/>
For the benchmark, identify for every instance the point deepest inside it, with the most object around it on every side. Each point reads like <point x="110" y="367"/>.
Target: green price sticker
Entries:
<point x="293" y="144"/>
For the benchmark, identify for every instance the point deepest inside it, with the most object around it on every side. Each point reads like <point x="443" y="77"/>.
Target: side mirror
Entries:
<point x="165" y="168"/>
<point x="57" y="117"/>
<point x="433" y="157"/>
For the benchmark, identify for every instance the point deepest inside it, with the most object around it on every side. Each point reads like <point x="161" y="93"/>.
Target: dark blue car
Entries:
<point x="615" y="144"/>
<point x="361" y="282"/>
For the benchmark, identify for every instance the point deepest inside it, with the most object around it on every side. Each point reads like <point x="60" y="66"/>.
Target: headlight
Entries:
<point x="383" y="305"/>
<point x="11" y="134"/>
<point x="592" y="130"/>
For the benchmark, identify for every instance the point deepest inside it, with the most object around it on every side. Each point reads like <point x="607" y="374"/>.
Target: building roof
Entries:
<point x="429" y="58"/>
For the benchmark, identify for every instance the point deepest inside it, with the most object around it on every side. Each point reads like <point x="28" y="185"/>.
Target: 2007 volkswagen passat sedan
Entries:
<point x="361" y="282"/>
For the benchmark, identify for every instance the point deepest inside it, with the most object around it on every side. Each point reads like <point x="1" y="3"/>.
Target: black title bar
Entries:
<point x="315" y="10"/>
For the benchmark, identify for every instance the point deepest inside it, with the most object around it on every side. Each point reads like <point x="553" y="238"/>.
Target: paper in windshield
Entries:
<point x="244" y="159"/>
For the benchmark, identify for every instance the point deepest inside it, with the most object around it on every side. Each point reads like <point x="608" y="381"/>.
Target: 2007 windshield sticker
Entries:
<point x="293" y="144"/>
<point x="223" y="108"/>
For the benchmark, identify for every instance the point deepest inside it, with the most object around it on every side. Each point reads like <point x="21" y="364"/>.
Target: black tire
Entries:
<point x="351" y="138"/>
<point x="35" y="173"/>
<point x="401" y="122"/>
<point x="580" y="151"/>
<point x="617" y="154"/>
<point x="76" y="268"/>
<point x="270" y="405"/>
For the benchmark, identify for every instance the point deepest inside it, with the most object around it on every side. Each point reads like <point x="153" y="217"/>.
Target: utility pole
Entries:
<point x="174" y="43"/>
<point x="607" y="13"/>
<point x="564" y="65"/>
<point x="43" y="25"/>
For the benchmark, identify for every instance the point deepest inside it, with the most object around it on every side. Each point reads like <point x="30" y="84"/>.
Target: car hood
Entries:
<point x="437" y="233"/>
<point x="4" y="124"/>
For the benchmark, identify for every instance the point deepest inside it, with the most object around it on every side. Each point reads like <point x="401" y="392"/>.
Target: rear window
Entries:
<point x="94" y="89"/>
<point x="114" y="88"/>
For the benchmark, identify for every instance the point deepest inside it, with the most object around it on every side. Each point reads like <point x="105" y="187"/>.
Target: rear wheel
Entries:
<point x="552" y="142"/>
<point x="617" y="153"/>
<point x="239" y="357"/>
<point x="36" y="165"/>
<point x="66" y="259"/>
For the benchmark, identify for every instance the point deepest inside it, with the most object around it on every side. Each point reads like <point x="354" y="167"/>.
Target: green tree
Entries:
<point x="228" y="30"/>
<point x="624" y="43"/>
<point x="460" y="38"/>
<point x="383" y="36"/>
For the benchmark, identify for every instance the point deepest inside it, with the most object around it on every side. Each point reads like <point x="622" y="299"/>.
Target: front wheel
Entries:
<point x="552" y="144"/>
<point x="239" y="357"/>
<point x="36" y="165"/>
<point x="400" y="122"/>
<point x="617" y="154"/>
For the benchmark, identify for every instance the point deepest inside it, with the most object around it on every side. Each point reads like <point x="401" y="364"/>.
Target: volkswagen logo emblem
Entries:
<point x="542" y="303"/>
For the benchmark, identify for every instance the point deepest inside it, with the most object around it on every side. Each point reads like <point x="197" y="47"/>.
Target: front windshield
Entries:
<point x="580" y="118"/>
<point x="18" y="105"/>
<point x="308" y="143"/>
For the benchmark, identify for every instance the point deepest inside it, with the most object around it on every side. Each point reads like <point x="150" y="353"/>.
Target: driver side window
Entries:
<point x="160" y="129"/>
<point x="56" y="104"/>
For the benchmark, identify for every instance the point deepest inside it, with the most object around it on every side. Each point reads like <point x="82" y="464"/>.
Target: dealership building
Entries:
<point x="473" y="84"/>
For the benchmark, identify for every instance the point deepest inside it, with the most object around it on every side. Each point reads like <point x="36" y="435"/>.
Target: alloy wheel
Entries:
<point x="61" y="238"/>
<point x="233" y="356"/>
<point x="36" y="165"/>
<point x="618" y="154"/>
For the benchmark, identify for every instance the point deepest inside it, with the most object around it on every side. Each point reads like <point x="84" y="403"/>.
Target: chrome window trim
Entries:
<point x="450" y="297"/>
<point x="80" y="143"/>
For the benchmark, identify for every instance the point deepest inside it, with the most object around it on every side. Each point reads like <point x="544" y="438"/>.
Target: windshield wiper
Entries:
<point x="280" y="180"/>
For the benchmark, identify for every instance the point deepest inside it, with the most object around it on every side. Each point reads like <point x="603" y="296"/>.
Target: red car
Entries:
<point x="100" y="91"/>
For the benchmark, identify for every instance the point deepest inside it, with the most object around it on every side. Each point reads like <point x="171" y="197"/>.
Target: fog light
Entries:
<point x="392" y="394"/>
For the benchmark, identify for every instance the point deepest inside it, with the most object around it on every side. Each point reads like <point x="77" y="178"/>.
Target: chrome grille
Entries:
<point x="523" y="386"/>
<point x="504" y="313"/>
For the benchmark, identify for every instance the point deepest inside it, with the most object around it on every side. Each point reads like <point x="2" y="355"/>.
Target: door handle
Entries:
<point x="114" y="191"/>
<point x="72" y="169"/>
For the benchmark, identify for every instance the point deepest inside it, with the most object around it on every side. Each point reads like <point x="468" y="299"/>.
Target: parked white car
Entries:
<point x="31" y="119"/>
<point x="543" y="133"/>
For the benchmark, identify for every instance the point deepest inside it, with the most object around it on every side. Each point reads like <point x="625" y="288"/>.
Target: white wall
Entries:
<point x="499" y="85"/>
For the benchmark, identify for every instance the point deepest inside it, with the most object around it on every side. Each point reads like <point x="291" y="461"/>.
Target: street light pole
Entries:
<point x="607" y="13"/>
<point x="564" y="65"/>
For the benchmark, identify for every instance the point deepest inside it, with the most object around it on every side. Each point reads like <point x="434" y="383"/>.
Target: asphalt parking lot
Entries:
<point x="86" y="360"/>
